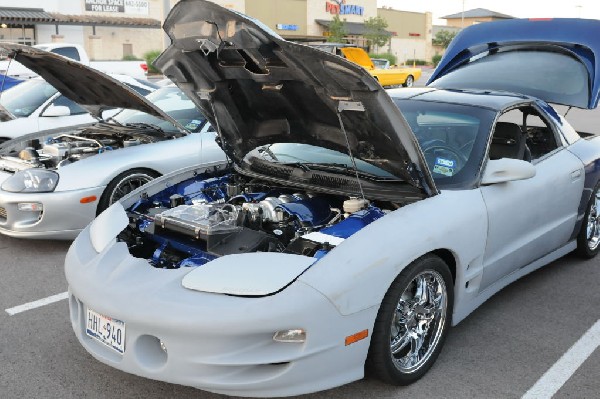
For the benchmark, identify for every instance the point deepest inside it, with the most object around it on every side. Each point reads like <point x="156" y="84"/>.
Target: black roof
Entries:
<point x="14" y="14"/>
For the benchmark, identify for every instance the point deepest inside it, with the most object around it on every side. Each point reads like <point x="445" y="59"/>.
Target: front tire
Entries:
<point x="412" y="322"/>
<point x="410" y="81"/>
<point x="588" y="238"/>
<point x="123" y="184"/>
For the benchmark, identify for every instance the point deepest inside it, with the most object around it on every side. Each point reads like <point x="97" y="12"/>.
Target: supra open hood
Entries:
<point x="555" y="60"/>
<point x="260" y="89"/>
<point x="88" y="87"/>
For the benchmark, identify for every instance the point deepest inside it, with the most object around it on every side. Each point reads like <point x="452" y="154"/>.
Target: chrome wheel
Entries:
<point x="418" y="322"/>
<point x="409" y="81"/>
<point x="128" y="184"/>
<point x="593" y="223"/>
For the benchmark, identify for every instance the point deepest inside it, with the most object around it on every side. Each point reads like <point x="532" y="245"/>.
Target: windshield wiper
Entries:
<point x="343" y="168"/>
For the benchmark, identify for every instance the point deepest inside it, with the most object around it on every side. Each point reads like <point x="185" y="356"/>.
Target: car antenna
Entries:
<point x="356" y="106"/>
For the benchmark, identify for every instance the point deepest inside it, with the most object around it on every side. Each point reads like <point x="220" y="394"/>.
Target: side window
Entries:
<point x="73" y="107"/>
<point x="522" y="133"/>
<point x="69" y="52"/>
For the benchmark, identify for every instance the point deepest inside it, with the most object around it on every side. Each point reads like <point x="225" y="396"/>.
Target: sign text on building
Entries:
<point x="124" y="6"/>
<point x="340" y="7"/>
<point x="287" y="27"/>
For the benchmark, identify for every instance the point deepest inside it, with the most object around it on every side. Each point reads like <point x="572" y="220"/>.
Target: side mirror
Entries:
<point x="505" y="170"/>
<point x="56" y="110"/>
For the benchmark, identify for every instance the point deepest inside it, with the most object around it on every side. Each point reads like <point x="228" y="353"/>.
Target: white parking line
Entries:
<point x="566" y="366"/>
<point x="37" y="304"/>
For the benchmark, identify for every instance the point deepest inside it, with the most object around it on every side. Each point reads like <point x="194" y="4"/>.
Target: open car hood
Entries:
<point x="88" y="87"/>
<point x="555" y="60"/>
<point x="261" y="89"/>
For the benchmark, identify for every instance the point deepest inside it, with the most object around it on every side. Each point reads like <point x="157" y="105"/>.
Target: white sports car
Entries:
<point x="35" y="105"/>
<point x="347" y="234"/>
<point x="54" y="182"/>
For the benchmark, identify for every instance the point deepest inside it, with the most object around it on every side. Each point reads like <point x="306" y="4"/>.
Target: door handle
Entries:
<point x="576" y="175"/>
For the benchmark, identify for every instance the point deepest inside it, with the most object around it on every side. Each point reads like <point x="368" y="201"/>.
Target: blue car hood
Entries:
<point x="575" y="39"/>
<point x="260" y="89"/>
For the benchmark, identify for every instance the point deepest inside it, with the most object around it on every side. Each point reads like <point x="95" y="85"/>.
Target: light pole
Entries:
<point x="462" y="16"/>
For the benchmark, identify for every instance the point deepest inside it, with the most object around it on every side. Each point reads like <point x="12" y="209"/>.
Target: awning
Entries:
<point x="101" y="20"/>
<point x="37" y="16"/>
<point x="352" y="28"/>
<point x="13" y="15"/>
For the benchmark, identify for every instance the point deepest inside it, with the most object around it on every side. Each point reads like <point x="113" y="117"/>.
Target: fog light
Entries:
<point x="30" y="207"/>
<point x="163" y="346"/>
<point x="295" y="335"/>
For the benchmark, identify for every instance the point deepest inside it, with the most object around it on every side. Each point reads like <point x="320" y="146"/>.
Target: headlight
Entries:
<point x="31" y="181"/>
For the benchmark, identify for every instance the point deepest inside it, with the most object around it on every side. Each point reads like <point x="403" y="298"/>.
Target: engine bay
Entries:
<point x="199" y="220"/>
<point x="57" y="151"/>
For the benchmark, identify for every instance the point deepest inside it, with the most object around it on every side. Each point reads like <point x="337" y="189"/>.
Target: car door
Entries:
<point x="528" y="219"/>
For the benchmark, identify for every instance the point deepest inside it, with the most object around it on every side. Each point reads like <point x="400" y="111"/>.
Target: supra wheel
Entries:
<point x="410" y="80"/>
<point x="412" y="322"/>
<point x="123" y="184"/>
<point x="588" y="238"/>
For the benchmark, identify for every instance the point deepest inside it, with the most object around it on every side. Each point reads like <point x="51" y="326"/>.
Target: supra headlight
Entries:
<point x="31" y="181"/>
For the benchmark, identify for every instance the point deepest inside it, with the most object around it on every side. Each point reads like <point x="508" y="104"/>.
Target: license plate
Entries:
<point x="109" y="331"/>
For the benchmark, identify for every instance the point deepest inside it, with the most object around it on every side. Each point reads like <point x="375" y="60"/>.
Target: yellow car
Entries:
<point x="386" y="77"/>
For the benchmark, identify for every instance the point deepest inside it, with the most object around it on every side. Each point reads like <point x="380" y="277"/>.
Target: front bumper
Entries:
<point x="214" y="342"/>
<point x="62" y="217"/>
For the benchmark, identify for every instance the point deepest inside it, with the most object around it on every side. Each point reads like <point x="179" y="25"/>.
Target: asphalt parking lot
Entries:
<point x="500" y="351"/>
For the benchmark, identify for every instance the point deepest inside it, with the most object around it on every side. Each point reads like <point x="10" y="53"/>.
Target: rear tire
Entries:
<point x="410" y="81"/>
<point x="412" y="322"/>
<point x="588" y="238"/>
<point x="123" y="184"/>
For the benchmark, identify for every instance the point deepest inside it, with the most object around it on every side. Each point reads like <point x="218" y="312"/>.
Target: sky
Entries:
<point x="515" y="8"/>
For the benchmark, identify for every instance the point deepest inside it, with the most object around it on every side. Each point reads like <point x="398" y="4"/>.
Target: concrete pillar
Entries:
<point x="57" y="38"/>
<point x="95" y="47"/>
<point x="429" y="52"/>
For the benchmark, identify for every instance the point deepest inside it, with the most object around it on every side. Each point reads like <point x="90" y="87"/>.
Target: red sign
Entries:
<point x="340" y="7"/>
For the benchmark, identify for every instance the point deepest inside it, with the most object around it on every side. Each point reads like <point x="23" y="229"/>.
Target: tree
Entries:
<point x="443" y="38"/>
<point x="337" y="30"/>
<point x="375" y="32"/>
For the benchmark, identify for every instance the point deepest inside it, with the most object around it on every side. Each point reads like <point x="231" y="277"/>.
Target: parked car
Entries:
<point x="54" y="182"/>
<point x="135" y="69"/>
<point x="348" y="234"/>
<point x="36" y="105"/>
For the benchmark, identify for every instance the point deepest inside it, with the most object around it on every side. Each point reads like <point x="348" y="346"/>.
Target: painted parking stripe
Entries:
<point x="37" y="304"/>
<point x="566" y="366"/>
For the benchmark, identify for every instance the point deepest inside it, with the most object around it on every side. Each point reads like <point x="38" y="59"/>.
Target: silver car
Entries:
<point x="53" y="183"/>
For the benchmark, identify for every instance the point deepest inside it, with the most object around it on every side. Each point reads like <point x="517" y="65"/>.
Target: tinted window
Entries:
<point x="453" y="139"/>
<point x="552" y="76"/>
<point x="69" y="52"/>
<point x="172" y="101"/>
<point x="65" y="102"/>
<point x="23" y="99"/>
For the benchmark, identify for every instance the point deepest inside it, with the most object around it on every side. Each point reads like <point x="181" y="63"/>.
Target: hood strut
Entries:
<point x="355" y="106"/>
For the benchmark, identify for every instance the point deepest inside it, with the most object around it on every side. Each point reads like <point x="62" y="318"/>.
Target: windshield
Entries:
<point x="172" y="101"/>
<point x="453" y="139"/>
<point x="313" y="157"/>
<point x="24" y="99"/>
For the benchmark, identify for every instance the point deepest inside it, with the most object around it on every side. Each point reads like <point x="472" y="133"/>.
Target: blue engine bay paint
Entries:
<point x="302" y="213"/>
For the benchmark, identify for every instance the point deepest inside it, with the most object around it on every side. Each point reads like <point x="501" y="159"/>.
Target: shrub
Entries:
<point x="436" y="59"/>
<point x="388" y="56"/>
<point x="130" y="57"/>
<point x="416" y="62"/>
<point x="149" y="57"/>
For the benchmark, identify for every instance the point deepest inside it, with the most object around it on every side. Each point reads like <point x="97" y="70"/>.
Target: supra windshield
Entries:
<point x="173" y="102"/>
<point x="23" y="99"/>
<point x="453" y="138"/>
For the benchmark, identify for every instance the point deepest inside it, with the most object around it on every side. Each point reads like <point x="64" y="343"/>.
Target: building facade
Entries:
<point x="113" y="29"/>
